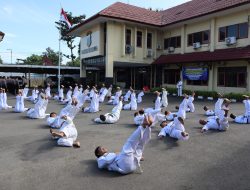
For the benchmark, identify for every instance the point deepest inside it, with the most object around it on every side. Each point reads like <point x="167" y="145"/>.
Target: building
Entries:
<point x="204" y="42"/>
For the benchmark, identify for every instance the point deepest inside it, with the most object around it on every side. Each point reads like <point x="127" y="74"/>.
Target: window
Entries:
<point x="232" y="76"/>
<point x="149" y="40"/>
<point x="121" y="76"/>
<point x="171" y="76"/>
<point x="197" y="82"/>
<point x="172" y="42"/>
<point x="139" y="39"/>
<point x="128" y="37"/>
<point x="239" y="31"/>
<point x="202" y="37"/>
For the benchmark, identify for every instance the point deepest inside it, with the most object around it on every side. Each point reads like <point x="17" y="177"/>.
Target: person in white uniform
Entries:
<point x="128" y="94"/>
<point x="67" y="134"/>
<point x="34" y="95"/>
<point x="112" y="117"/>
<point x="219" y="122"/>
<point x="103" y="93"/>
<point x="132" y="105"/>
<point x="76" y="91"/>
<point x="109" y="94"/>
<point x="244" y="118"/>
<point x="157" y="107"/>
<point x="47" y="91"/>
<point x="179" y="87"/>
<point x="61" y="93"/>
<point x="167" y="116"/>
<point x="81" y="89"/>
<point x="139" y="117"/>
<point x="183" y="107"/>
<point x="208" y="112"/>
<point x="115" y="100"/>
<point x="190" y="103"/>
<point x="71" y="109"/>
<point x="94" y="104"/>
<point x="139" y="96"/>
<point x="164" y="98"/>
<point x="174" y="129"/>
<point x="68" y="96"/>
<point x="4" y="100"/>
<point x="25" y="91"/>
<point x="38" y="112"/>
<point x="129" y="159"/>
<point x="19" y="106"/>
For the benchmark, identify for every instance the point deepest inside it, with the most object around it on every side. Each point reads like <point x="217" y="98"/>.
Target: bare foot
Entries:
<point x="77" y="144"/>
<point x="203" y="130"/>
<point x="142" y="158"/>
<point x="184" y="134"/>
<point x="51" y="130"/>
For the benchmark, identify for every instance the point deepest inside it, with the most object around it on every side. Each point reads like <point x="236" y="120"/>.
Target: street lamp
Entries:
<point x="1" y="36"/>
<point x="10" y="55"/>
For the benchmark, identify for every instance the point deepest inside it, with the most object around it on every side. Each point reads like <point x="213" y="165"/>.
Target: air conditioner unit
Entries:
<point x="196" y="45"/>
<point x="230" y="40"/>
<point x="150" y="53"/>
<point x="158" y="47"/>
<point x="128" y="49"/>
<point x="171" y="49"/>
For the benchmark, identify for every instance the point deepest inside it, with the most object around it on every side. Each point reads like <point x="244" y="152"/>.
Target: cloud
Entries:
<point x="7" y="10"/>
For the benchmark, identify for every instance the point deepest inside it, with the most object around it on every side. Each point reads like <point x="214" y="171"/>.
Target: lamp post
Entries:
<point x="10" y="55"/>
<point x="1" y="36"/>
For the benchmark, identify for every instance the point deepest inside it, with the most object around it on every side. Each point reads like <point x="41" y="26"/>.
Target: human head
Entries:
<point x="141" y="111"/>
<point x="181" y="120"/>
<point x="232" y="116"/>
<point x="163" y="124"/>
<point x="102" y="117"/>
<point x="167" y="112"/>
<point x="135" y="114"/>
<point x="177" y="107"/>
<point x="202" y="122"/>
<point x="205" y="108"/>
<point x="100" y="151"/>
<point x="245" y="97"/>
<point x="52" y="114"/>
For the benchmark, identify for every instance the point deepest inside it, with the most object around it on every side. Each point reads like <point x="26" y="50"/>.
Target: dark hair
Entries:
<point x="177" y="107"/>
<point x="141" y="111"/>
<point x="97" y="151"/>
<point x="135" y="114"/>
<point x="102" y="117"/>
<point x="52" y="113"/>
<point x="162" y="123"/>
<point x="205" y="108"/>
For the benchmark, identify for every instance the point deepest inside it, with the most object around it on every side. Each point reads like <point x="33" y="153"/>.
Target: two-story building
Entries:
<point x="204" y="42"/>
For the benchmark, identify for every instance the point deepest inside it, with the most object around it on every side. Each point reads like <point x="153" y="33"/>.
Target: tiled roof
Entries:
<point x="218" y="55"/>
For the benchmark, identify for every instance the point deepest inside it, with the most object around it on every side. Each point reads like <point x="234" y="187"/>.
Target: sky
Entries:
<point x="29" y="25"/>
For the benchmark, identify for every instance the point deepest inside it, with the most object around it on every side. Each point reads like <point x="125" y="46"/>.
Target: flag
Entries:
<point x="65" y="19"/>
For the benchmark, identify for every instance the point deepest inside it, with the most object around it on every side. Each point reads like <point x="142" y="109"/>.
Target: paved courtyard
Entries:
<point x="30" y="160"/>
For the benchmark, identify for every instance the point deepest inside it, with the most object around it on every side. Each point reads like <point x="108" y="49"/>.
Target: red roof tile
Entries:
<point x="217" y="55"/>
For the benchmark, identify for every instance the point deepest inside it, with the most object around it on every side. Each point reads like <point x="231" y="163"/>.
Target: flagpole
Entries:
<point x="59" y="62"/>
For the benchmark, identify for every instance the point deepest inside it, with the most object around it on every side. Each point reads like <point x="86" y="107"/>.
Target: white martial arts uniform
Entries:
<point x="54" y="122"/>
<point x="76" y="91"/>
<point x="47" y="92"/>
<point x="103" y="92"/>
<point x="34" y="95"/>
<point x="156" y="109"/>
<point x="19" y="107"/>
<point x="4" y="101"/>
<point x="139" y="119"/>
<point x="70" y="111"/>
<point x="61" y="94"/>
<point x="179" y="88"/>
<point x="109" y="94"/>
<point x="212" y="124"/>
<point x="133" y="103"/>
<point x="190" y="104"/>
<point x="38" y="112"/>
<point x="70" y="132"/>
<point x="112" y="117"/>
<point x="1" y="101"/>
<point x="244" y="119"/>
<point x="94" y="104"/>
<point x="68" y="97"/>
<point x="218" y="106"/>
<point x="25" y="92"/>
<point x="139" y="97"/>
<point x="115" y="101"/>
<point x="182" y="109"/>
<point x="209" y="113"/>
<point x="159" y="117"/>
<point x="174" y="130"/>
<point x="127" y="95"/>
<point x="164" y="98"/>
<point x="129" y="158"/>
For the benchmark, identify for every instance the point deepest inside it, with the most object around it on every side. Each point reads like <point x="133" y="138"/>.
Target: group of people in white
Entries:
<point x="64" y="130"/>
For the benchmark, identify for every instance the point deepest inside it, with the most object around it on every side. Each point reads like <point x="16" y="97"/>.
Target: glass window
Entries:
<point x="139" y="39"/>
<point x="178" y="41"/>
<point x="149" y="41"/>
<point x="172" y="42"/>
<point x="232" y="31"/>
<point x="243" y="30"/>
<point x="166" y="43"/>
<point x="242" y="79"/>
<point x="205" y="39"/>
<point x="222" y="33"/>
<point x="197" y="37"/>
<point x="171" y="76"/>
<point x="190" y="40"/>
<point x="221" y="78"/>
<point x="128" y="37"/>
<point x="197" y="82"/>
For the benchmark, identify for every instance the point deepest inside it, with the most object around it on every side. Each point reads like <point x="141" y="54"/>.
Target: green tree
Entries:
<point x="76" y="63"/>
<point x="1" y="61"/>
<point x="51" y="55"/>
<point x="34" y="60"/>
<point x="63" y="28"/>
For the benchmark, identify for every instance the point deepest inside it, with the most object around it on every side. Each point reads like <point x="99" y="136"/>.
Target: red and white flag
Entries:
<point x="64" y="18"/>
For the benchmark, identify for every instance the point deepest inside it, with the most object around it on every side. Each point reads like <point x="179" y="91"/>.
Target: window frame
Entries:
<point x="141" y="37"/>
<point x="130" y="37"/>
<point x="151" y="40"/>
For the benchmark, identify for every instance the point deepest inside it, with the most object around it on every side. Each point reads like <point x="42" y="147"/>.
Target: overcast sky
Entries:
<point x="29" y="24"/>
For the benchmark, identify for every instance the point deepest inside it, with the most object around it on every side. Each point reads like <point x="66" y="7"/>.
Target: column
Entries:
<point x="109" y="63"/>
<point x="145" y="43"/>
<point x="123" y="39"/>
<point x="83" y="76"/>
<point x="248" y="77"/>
<point x="211" y="77"/>
<point x="183" y="39"/>
<point x="135" y="41"/>
<point x="212" y="34"/>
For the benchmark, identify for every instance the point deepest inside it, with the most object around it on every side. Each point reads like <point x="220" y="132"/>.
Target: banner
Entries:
<point x="192" y="73"/>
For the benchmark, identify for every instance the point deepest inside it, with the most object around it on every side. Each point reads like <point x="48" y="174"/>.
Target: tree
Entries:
<point x="76" y="63"/>
<point x="63" y="28"/>
<point x="51" y="55"/>
<point x="1" y="61"/>
<point x="34" y="60"/>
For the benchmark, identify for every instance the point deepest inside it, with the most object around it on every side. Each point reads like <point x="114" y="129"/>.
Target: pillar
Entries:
<point x="212" y="34"/>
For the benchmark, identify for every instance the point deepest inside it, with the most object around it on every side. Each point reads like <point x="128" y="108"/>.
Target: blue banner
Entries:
<point x="194" y="73"/>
